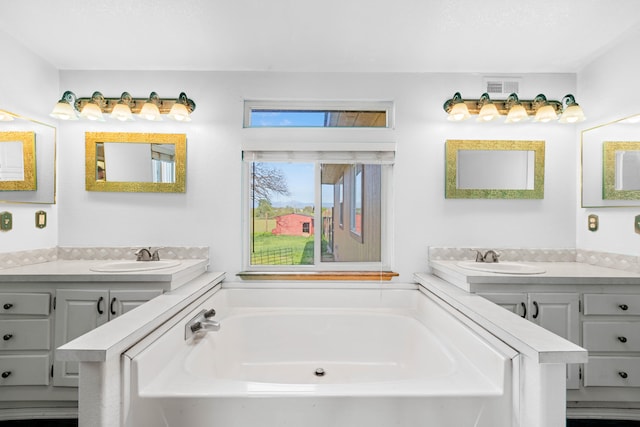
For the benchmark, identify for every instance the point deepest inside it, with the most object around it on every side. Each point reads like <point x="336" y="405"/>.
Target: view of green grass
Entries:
<point x="270" y="249"/>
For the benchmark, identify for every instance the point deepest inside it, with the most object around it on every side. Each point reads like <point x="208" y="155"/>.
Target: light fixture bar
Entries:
<point x="475" y="105"/>
<point x="164" y="104"/>
<point x="70" y="107"/>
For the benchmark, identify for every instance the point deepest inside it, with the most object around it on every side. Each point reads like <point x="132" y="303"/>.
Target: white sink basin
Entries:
<point x="128" y="266"/>
<point x="502" y="267"/>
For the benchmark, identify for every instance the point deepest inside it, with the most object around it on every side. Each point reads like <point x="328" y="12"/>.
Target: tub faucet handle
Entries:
<point x="209" y="313"/>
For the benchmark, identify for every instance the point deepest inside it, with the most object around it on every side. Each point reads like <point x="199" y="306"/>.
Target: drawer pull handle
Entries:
<point x="535" y="315"/>
<point x="100" y="311"/>
<point x="7" y="337"/>
<point x="622" y="339"/>
<point x="7" y="306"/>
<point x="624" y="307"/>
<point x="524" y="309"/>
<point x="623" y="374"/>
<point x="6" y="374"/>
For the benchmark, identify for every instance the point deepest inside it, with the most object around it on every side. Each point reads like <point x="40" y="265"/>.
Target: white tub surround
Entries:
<point x="590" y="305"/>
<point x="388" y="356"/>
<point x="99" y="351"/>
<point x="544" y="354"/>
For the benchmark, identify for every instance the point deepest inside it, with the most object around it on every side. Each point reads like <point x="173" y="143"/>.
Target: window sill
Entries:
<point x="318" y="275"/>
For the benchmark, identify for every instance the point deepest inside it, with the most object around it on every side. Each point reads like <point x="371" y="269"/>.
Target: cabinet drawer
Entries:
<point x="24" y="370"/>
<point x="15" y="303"/>
<point x="612" y="304"/>
<point x="25" y="334"/>
<point x="611" y="336"/>
<point x="612" y="372"/>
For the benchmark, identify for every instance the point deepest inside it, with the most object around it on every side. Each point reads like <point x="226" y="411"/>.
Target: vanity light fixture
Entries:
<point x="70" y="107"/>
<point x="92" y="110"/>
<point x="456" y="108"/>
<point x="572" y="113"/>
<point x="488" y="110"/>
<point x="122" y="110"/>
<point x="545" y="112"/>
<point x="150" y="110"/>
<point x="180" y="110"/>
<point x="65" y="108"/>
<point x="516" y="110"/>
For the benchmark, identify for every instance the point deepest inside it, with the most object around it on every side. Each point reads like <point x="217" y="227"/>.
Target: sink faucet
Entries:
<point x="491" y="256"/>
<point x="145" y="254"/>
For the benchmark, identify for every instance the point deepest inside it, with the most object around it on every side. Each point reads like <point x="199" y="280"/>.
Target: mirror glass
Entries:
<point x="118" y="162"/>
<point x="135" y="162"/>
<point x="610" y="155"/>
<point x="27" y="160"/>
<point x="494" y="169"/>
<point x="11" y="161"/>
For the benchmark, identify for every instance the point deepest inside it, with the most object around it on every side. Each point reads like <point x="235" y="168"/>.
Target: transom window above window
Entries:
<point x="259" y="114"/>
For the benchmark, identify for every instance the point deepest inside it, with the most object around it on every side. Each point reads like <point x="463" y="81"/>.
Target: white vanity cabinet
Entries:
<point x="78" y="311"/>
<point x="25" y="338"/>
<point x="43" y="306"/>
<point x="556" y="312"/>
<point x="611" y="333"/>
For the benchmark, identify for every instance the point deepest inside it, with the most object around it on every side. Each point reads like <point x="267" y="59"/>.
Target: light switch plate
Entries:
<point x="637" y="224"/>
<point x="41" y="219"/>
<point x="6" y="221"/>
<point x="593" y="222"/>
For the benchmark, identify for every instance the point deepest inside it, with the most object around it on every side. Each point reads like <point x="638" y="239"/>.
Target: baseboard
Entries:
<point x="14" y="414"/>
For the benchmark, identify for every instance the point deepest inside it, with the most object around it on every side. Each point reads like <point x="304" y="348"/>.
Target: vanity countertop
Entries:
<point x="556" y="273"/>
<point x="81" y="271"/>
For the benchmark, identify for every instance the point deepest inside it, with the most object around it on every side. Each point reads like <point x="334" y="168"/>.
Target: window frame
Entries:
<point x="287" y="140"/>
<point x="254" y="105"/>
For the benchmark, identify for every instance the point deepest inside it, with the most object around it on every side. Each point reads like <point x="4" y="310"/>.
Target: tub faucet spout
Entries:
<point x="201" y="323"/>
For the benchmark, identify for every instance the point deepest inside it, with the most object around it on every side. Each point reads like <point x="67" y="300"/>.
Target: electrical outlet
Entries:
<point x="593" y="222"/>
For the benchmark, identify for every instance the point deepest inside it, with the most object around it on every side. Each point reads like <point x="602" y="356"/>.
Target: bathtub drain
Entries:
<point x="319" y="372"/>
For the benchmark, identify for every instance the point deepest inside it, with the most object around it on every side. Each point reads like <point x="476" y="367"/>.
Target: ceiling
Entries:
<point x="485" y="36"/>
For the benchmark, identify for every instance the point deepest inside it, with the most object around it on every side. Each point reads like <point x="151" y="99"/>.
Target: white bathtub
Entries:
<point x="390" y="358"/>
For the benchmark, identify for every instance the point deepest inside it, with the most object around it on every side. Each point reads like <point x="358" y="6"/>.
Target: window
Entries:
<point x="262" y="114"/>
<point x="286" y="198"/>
<point x="315" y="199"/>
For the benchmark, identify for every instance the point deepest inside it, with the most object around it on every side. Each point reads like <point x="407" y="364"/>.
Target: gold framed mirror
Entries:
<point x="135" y="162"/>
<point x="608" y="155"/>
<point x="18" y="161"/>
<point x="36" y="140"/>
<point x="487" y="169"/>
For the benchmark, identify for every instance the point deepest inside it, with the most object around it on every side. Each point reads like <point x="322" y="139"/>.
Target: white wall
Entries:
<point x="29" y="87"/>
<point x="609" y="86"/>
<point x="209" y="213"/>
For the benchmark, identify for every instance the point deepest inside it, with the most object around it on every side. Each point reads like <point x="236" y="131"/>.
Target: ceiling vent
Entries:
<point x="501" y="85"/>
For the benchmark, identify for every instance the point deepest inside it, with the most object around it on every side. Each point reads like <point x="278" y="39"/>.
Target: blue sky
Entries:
<point x="270" y="118"/>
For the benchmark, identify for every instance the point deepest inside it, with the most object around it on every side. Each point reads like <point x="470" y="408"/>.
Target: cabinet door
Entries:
<point x="559" y="314"/>
<point x="515" y="302"/>
<point x="77" y="312"/>
<point x="122" y="302"/>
